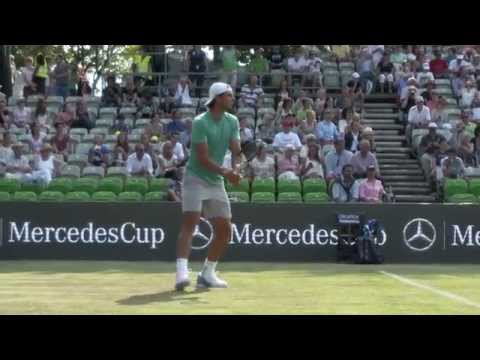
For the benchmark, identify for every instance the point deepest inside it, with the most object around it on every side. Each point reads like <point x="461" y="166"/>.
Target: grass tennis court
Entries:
<point x="87" y="287"/>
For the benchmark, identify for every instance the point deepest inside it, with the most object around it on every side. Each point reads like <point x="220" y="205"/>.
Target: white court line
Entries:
<point x="445" y="294"/>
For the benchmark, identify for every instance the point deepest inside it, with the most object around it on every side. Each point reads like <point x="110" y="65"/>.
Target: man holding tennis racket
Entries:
<point x="213" y="133"/>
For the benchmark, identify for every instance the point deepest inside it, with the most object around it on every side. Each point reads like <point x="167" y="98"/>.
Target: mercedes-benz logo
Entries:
<point x="419" y="234"/>
<point x="203" y="235"/>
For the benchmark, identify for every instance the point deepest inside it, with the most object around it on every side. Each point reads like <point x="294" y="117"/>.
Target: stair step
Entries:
<point x="410" y="190"/>
<point x="418" y="184"/>
<point x="403" y="150"/>
<point x="373" y="122"/>
<point x="377" y="110"/>
<point x="399" y="166"/>
<point x="401" y="171"/>
<point x="379" y="138"/>
<point x="387" y="133"/>
<point x="391" y="157"/>
<point x="384" y="98"/>
<point x="416" y="198"/>
<point x="405" y="178"/>
<point x="381" y="116"/>
<point x="387" y="127"/>
<point x="372" y="105"/>
<point x="388" y="143"/>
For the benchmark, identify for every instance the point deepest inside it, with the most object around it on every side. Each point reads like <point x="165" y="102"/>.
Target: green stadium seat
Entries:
<point x="239" y="197"/>
<point x="474" y="187"/>
<point x="117" y="171"/>
<point x="455" y="186"/>
<point x="24" y="196"/>
<point x="9" y="185"/>
<point x="112" y="184"/>
<point x="64" y="185"/>
<point x="314" y="186"/>
<point x="141" y="123"/>
<point x="94" y="171"/>
<point x="156" y="196"/>
<point x="87" y="184"/>
<point x="4" y="196"/>
<point x="289" y="197"/>
<point x="130" y="196"/>
<point x="136" y="184"/>
<point x="316" y="198"/>
<point x="244" y="186"/>
<point x="79" y="131"/>
<point x="72" y="171"/>
<point x="54" y="196"/>
<point x="263" y="197"/>
<point x="77" y="196"/>
<point x="462" y="198"/>
<point x="104" y="123"/>
<point x="289" y="186"/>
<point x="80" y="160"/>
<point x="104" y="196"/>
<point x="98" y="131"/>
<point x="158" y="184"/>
<point x="83" y="149"/>
<point x="263" y="185"/>
<point x="37" y="188"/>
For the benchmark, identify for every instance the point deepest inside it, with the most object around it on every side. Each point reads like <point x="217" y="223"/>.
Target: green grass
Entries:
<point x="88" y="287"/>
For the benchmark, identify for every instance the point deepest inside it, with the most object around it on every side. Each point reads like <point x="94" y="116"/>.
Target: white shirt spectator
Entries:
<point x="250" y="96"/>
<point x="134" y="165"/>
<point x="282" y="139"/>
<point x="165" y="163"/>
<point x="263" y="169"/>
<point x="419" y="117"/>
<point x="467" y="96"/>
<point x="424" y="77"/>
<point x="455" y="66"/>
<point x="22" y="117"/>
<point x="177" y="151"/>
<point x="183" y="95"/>
<point x="246" y="134"/>
<point x="5" y="154"/>
<point x="314" y="65"/>
<point x="297" y="66"/>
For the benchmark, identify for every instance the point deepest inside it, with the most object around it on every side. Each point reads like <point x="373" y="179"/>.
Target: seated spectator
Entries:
<point x="121" y="150"/>
<point x="267" y="130"/>
<point x="262" y="166"/>
<point x="476" y="107"/>
<point x="301" y="107"/>
<point x="17" y="166"/>
<point x="368" y="134"/>
<point x="45" y="167"/>
<point x="466" y="152"/>
<point x="177" y="146"/>
<point x="371" y="190"/>
<point x="312" y="167"/>
<point x="438" y="66"/>
<point x="22" y="116"/>
<point x="241" y="163"/>
<point x="35" y="140"/>
<point x="418" y="117"/>
<point x="345" y="188"/>
<point x="425" y="75"/>
<point x="353" y="137"/>
<point x="176" y="125"/>
<point x="130" y="94"/>
<point x="362" y="160"/>
<point x="458" y="83"/>
<point x="149" y="148"/>
<point x="6" y="151"/>
<point x="167" y="162"/>
<point x="283" y="93"/>
<point x="438" y="112"/>
<point x="182" y="94"/>
<point x="341" y="52"/>
<point x="276" y="58"/>
<point x="475" y="142"/>
<point x="112" y="95"/>
<point x="140" y="163"/>
<point x="410" y="88"/>
<point x="147" y="106"/>
<point x="251" y="93"/>
<point x="287" y="136"/>
<point x="352" y="96"/>
<point x="385" y="77"/>
<point x="431" y="139"/>
<point x="120" y="125"/>
<point x="82" y="118"/>
<point x="314" y="75"/>
<point x="98" y="153"/>
<point x="61" y="142"/>
<point x="40" y="115"/>
<point x="452" y="165"/>
<point x="398" y="57"/>
<point x="322" y="102"/>
<point x="288" y="164"/>
<point x="327" y="131"/>
<point x="246" y="134"/>
<point x="297" y="66"/>
<point x="335" y="160"/>
<point x="309" y="125"/>
<point x="67" y="116"/>
<point x="186" y="135"/>
<point x="30" y="87"/>
<point x="284" y="109"/>
<point x="5" y="115"/>
<point x="429" y="162"/>
<point x="464" y="127"/>
<point x="174" y="192"/>
<point x="455" y="67"/>
<point x="429" y="94"/>
<point x="258" y="64"/>
<point x="467" y="95"/>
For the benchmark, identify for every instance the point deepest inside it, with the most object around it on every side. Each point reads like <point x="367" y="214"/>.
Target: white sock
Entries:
<point x="209" y="267"/>
<point x="182" y="266"/>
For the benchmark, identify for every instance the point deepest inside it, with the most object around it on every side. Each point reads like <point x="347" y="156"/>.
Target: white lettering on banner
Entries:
<point x="269" y="233"/>
<point x="157" y="241"/>
<point x="57" y="235"/>
<point x="322" y="233"/>
<point x="457" y="234"/>
<point x="310" y="232"/>
<point x="278" y="237"/>
<point x="334" y="241"/>
<point x="37" y="235"/>
<point x="113" y="234"/>
<point x="246" y="229"/>
<point x="100" y="233"/>
<point x="73" y="235"/>
<point x="49" y="230"/>
<point x="21" y="235"/>
<point x="257" y="233"/>
<point x="294" y="233"/>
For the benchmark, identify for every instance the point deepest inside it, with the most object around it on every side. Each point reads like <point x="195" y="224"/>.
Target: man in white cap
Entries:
<point x="457" y="64"/>
<point x="418" y="117"/>
<point x="431" y="139"/>
<point x="425" y="76"/>
<point x="213" y="133"/>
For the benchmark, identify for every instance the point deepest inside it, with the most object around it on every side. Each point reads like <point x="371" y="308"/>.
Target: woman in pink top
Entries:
<point x="371" y="190"/>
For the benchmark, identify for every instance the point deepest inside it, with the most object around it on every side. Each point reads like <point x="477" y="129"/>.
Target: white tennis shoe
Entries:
<point x="182" y="281"/>
<point x="210" y="281"/>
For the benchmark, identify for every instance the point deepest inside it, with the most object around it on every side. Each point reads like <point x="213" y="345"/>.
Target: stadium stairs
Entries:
<point x="399" y="169"/>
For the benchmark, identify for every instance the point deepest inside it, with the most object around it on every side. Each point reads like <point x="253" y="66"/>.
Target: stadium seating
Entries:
<point x="63" y="185"/>
<point x="9" y="185"/>
<point x="113" y="184"/>
<point x="244" y="186"/>
<point x="289" y="186"/>
<point x="463" y="198"/>
<point x="94" y="171"/>
<point x="77" y="196"/>
<point x="316" y="198"/>
<point x="155" y="196"/>
<point x="4" y="196"/>
<point x="289" y="197"/>
<point x="24" y="196"/>
<point x="455" y="186"/>
<point x="238" y="197"/>
<point x="53" y="196"/>
<point x="87" y="184"/>
<point x="72" y="171"/>
<point x="158" y="185"/>
<point x="314" y="186"/>
<point x="130" y="196"/>
<point x="104" y="196"/>
<point x="262" y="197"/>
<point x="117" y="171"/>
<point x="474" y="187"/>
<point x="136" y="184"/>
<point x="37" y="188"/>
<point x="263" y="185"/>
